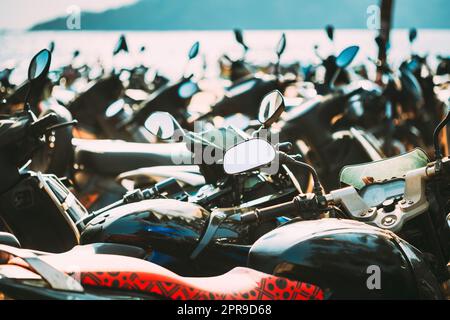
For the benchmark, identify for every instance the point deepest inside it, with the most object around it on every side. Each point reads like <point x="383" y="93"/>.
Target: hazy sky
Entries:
<point x="22" y="14"/>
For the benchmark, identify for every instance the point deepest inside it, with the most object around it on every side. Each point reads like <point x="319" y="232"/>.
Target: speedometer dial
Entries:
<point x="376" y="193"/>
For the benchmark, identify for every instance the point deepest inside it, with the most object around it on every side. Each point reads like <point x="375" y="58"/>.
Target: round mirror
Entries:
<point x="161" y="125"/>
<point x="39" y="65"/>
<point x="114" y="108"/>
<point x="281" y="45"/>
<point x="346" y="56"/>
<point x="187" y="89"/>
<point x="271" y="108"/>
<point x="248" y="155"/>
<point x="193" y="52"/>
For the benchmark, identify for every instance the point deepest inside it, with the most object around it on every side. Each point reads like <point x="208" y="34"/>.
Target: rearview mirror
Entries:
<point x="281" y="45"/>
<point x="271" y="108"/>
<point x="114" y="108"/>
<point x="329" y="29"/>
<point x="188" y="89"/>
<point x="412" y="35"/>
<point x="238" y="36"/>
<point x="193" y="52"/>
<point x="248" y="155"/>
<point x="121" y="45"/>
<point x="51" y="46"/>
<point x="346" y="56"/>
<point x="160" y="124"/>
<point x="39" y="65"/>
<point x="379" y="41"/>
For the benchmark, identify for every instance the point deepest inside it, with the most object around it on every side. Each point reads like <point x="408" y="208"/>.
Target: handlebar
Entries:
<point x="307" y="206"/>
<point x="26" y="126"/>
<point x="40" y="126"/>
<point x="269" y="213"/>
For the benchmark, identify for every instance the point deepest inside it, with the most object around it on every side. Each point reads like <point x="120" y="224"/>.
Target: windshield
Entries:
<point x="224" y="138"/>
<point x="354" y="175"/>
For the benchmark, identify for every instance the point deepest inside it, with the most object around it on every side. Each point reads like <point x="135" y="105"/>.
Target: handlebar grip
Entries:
<point x="40" y="126"/>
<point x="269" y="213"/>
<point x="285" y="147"/>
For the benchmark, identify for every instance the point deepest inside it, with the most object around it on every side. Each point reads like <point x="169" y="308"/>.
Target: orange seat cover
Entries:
<point x="131" y="274"/>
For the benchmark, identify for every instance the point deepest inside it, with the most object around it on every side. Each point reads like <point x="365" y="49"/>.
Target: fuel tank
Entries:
<point x="349" y="259"/>
<point x="169" y="226"/>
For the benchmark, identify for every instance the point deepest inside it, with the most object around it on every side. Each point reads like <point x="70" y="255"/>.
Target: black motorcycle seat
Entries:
<point x="9" y="239"/>
<point x="134" y="275"/>
<point x="112" y="157"/>
<point x="108" y="248"/>
<point x="295" y="112"/>
<point x="189" y="175"/>
<point x="99" y="248"/>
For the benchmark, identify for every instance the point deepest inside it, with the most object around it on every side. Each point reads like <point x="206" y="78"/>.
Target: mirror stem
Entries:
<point x="317" y="189"/>
<point x="237" y="187"/>
<point x="437" y="131"/>
<point x="26" y="105"/>
<point x="256" y="132"/>
<point x="277" y="68"/>
<point x="335" y="76"/>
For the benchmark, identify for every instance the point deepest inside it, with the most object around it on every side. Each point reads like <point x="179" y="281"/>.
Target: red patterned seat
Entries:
<point x="131" y="274"/>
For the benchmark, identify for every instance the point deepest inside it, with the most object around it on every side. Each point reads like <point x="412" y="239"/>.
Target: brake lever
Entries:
<point x="62" y="125"/>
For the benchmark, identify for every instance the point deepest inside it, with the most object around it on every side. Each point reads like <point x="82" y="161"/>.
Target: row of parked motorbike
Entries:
<point x="103" y="195"/>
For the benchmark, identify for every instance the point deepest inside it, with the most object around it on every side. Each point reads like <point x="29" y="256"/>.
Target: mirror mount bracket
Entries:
<point x="26" y="104"/>
<point x="334" y="78"/>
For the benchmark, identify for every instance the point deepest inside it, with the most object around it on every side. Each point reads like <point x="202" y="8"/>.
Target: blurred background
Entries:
<point x="160" y="32"/>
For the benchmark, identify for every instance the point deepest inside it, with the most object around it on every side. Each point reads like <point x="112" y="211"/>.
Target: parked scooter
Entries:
<point x="89" y="106"/>
<point x="326" y="125"/>
<point x="324" y="86"/>
<point x="6" y="87"/>
<point x="172" y="97"/>
<point x="248" y="92"/>
<point x="422" y="103"/>
<point x="444" y="66"/>
<point x="239" y="68"/>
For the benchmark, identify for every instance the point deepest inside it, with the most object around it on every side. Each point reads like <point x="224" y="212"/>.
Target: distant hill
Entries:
<point x="255" y="14"/>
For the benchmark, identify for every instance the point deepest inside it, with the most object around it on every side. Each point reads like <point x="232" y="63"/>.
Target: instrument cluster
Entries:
<point x="375" y="194"/>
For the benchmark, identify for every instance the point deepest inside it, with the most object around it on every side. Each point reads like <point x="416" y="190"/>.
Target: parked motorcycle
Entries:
<point x="25" y="191"/>
<point x="189" y="233"/>
<point x="405" y="195"/>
